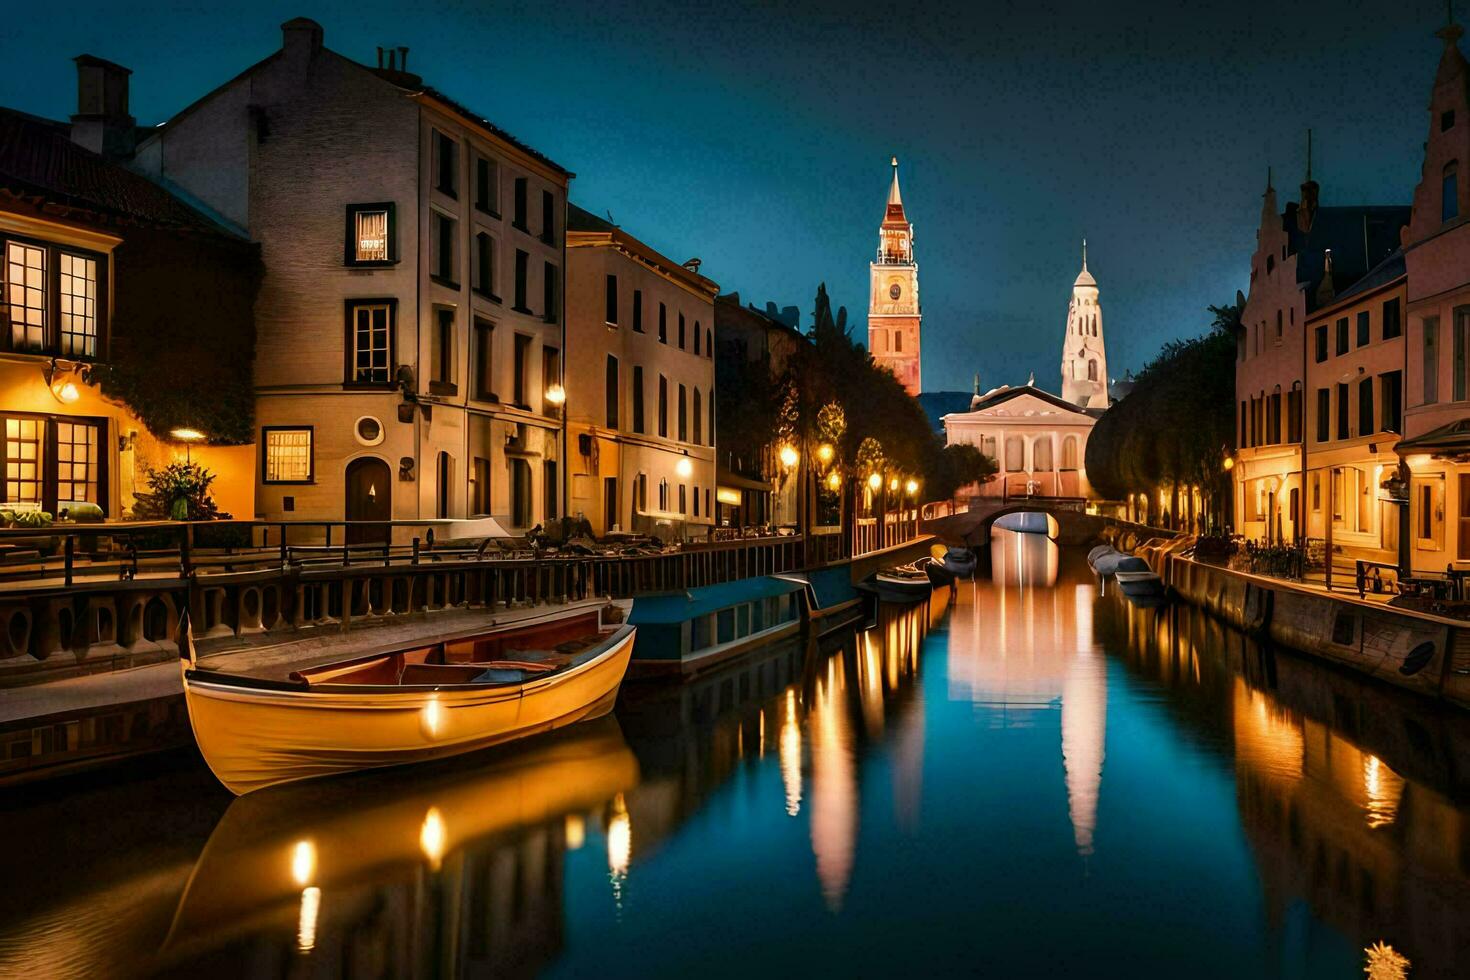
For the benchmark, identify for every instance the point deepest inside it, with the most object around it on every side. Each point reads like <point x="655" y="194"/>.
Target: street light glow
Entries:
<point x="789" y="457"/>
<point x="684" y="467"/>
<point x="875" y="481"/>
<point x="825" y="452"/>
<point x="556" y="395"/>
<point x="911" y="487"/>
<point x="186" y="435"/>
<point x="834" y="480"/>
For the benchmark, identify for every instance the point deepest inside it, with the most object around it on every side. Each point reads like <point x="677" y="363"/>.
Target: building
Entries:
<point x="640" y="392"/>
<point x="409" y="323"/>
<point x="1306" y="255"/>
<point x="1037" y="440"/>
<point x="894" y="335"/>
<point x="127" y="319"/>
<point x="1436" y="443"/>
<point x="1354" y="414"/>
<point x="754" y="349"/>
<point x="1084" y="357"/>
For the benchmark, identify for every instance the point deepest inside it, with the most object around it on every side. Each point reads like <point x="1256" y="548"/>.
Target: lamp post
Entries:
<point x="556" y="397"/>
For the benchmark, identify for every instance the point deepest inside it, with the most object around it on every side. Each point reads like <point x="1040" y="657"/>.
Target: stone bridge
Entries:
<point x="973" y="526"/>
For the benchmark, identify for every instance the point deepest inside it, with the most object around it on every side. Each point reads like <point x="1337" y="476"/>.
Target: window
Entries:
<point x="480" y="487"/>
<point x="485" y="360"/>
<point x="487" y="185"/>
<point x="684" y="500"/>
<point x="611" y="392"/>
<point x="683" y="414"/>
<point x="1069" y="453"/>
<point x="1429" y="520"/>
<point x="288" y="454"/>
<point x="550" y="295"/>
<point x="709" y="343"/>
<point x="1362" y="327"/>
<point x="663" y="324"/>
<point x="1431" y="360"/>
<point x="712" y="419"/>
<point x="485" y="265"/>
<point x="550" y="366"/>
<point x="76" y="463"/>
<point x="442" y="259"/>
<point x="698" y="335"/>
<point x="78" y="300"/>
<point x="1449" y="195"/>
<point x="25" y="460"/>
<point x="370" y="326"/>
<point x="518" y="204"/>
<point x="1278" y="326"/>
<point x="1041" y="450"/>
<point x="698" y="417"/>
<point x="1321" y="338"/>
<point x="1464" y="515"/>
<point x="1015" y="454"/>
<point x="522" y="262"/>
<point x="1392" y="392"/>
<point x="1092" y="370"/>
<point x="548" y="218"/>
<point x="441" y="358"/>
<point x="610" y="301"/>
<point x="549" y="489"/>
<point x="1324" y="414"/>
<point x="520" y="493"/>
<point x="372" y="232"/>
<point x="1461" y="351"/>
<point x="681" y="331"/>
<point x="663" y="495"/>
<point x="445" y="476"/>
<point x="25" y="295"/>
<point x="1342" y="411"/>
<point x="638" y="398"/>
<point x="523" y="351"/>
<point x="696" y="500"/>
<point x="1342" y="335"/>
<point x="663" y="406"/>
<point x="1446" y="120"/>
<point x="1294" y="415"/>
<point x="898" y="341"/>
<point x="446" y="164"/>
<point x="1274" y="409"/>
<point x="1392" y="322"/>
<point x="1366" y="418"/>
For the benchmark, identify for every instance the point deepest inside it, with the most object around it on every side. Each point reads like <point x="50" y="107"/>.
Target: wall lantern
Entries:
<point x="63" y="389"/>
<point x="684" y="468"/>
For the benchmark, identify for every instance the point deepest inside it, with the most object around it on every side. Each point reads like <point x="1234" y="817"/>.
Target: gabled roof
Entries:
<point x="471" y="116"/>
<point x="585" y="228"/>
<point x="1382" y="274"/>
<point x="38" y="160"/>
<point x="1003" y="394"/>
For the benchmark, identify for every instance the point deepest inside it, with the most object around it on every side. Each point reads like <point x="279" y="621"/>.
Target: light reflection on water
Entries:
<point x="1023" y="778"/>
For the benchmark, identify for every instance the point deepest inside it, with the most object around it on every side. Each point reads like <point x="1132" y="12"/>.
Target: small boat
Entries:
<point x="1137" y="580"/>
<point x="692" y="630"/>
<point x="1029" y="522"/>
<point x="959" y="562"/>
<point x="407" y="705"/>
<point x="901" y="583"/>
<point x="939" y="575"/>
<point x="1104" y="560"/>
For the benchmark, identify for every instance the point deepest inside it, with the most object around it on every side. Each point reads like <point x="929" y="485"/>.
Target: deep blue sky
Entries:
<point x="759" y="139"/>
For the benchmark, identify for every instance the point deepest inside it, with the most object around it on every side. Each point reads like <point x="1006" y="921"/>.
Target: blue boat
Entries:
<point x="693" y="630"/>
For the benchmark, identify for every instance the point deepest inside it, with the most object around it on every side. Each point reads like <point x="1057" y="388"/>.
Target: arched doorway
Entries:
<point x="369" y="498"/>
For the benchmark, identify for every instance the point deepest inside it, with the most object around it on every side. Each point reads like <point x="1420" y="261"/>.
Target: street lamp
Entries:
<point x="875" y="482"/>
<point x="789" y="457"/>
<point x="825" y="452"/>
<point x="834" y="481"/>
<point x="911" y="487"/>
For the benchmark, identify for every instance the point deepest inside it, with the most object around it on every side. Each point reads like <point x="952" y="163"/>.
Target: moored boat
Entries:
<point x="407" y="705"/>
<point x="1029" y="522"/>
<point x="939" y="576"/>
<point x="901" y="583"/>
<point x="959" y="562"/>
<point x="1104" y="560"/>
<point x="1137" y="580"/>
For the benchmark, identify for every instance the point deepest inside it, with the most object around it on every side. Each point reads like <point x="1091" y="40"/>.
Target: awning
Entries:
<point x="1452" y="440"/>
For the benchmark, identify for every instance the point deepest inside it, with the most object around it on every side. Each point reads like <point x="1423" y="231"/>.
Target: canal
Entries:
<point x="1025" y="777"/>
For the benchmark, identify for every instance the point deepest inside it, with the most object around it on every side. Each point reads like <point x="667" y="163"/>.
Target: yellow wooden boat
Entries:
<point x="405" y="706"/>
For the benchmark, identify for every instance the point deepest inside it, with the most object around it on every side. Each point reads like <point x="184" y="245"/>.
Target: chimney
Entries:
<point x="301" y="39"/>
<point x="102" y="123"/>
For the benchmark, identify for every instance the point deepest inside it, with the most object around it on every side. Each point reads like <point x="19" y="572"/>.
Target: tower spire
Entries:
<point x="894" y="197"/>
<point x="1084" y="255"/>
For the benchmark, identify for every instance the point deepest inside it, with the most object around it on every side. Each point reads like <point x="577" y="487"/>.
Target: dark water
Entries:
<point x="1026" y="778"/>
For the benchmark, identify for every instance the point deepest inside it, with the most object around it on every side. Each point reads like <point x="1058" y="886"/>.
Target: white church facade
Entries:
<point x="1038" y="440"/>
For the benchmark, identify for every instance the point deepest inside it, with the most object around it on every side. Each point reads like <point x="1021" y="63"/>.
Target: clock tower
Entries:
<point x="893" y="298"/>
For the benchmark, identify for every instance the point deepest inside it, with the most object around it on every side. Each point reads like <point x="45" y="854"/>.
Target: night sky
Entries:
<point x="759" y="139"/>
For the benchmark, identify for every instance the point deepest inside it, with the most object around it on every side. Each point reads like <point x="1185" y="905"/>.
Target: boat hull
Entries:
<point x="254" y="737"/>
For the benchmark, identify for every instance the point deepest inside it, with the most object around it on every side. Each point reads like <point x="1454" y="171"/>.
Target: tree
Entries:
<point x="953" y="467"/>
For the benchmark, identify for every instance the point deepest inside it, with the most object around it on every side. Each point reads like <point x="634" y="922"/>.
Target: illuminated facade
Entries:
<point x="894" y="315"/>
<point x="1037" y="440"/>
<point x="1084" y="358"/>
<point x="641" y="390"/>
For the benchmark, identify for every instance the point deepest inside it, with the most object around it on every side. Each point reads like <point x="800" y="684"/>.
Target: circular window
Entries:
<point x="895" y="291"/>
<point x="369" y="431"/>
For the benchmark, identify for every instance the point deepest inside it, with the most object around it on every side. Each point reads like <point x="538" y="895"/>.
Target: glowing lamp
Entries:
<point x="893" y="485"/>
<point x="789" y="457"/>
<point x="303" y="862"/>
<point x="911" y="487"/>
<point x="825" y="452"/>
<point x="875" y="481"/>
<point x="834" y="480"/>
<point x="186" y="435"/>
<point x="684" y="468"/>
<point x="431" y="837"/>
<point x="1229" y="463"/>
<point x="67" y="393"/>
<point x="556" y="395"/>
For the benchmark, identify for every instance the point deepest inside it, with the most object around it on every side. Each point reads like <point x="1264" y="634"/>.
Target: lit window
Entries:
<point x="25" y="294"/>
<point x="76" y="463"/>
<point x="23" y="441"/>
<point x="78" y="305"/>
<point x="288" y="455"/>
<point x="370" y="233"/>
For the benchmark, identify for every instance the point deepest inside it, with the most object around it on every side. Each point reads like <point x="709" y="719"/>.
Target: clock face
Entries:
<point x="895" y="291"/>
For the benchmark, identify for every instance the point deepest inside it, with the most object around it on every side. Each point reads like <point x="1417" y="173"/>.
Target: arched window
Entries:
<point x="1015" y="454"/>
<point x="1069" y="453"/>
<point x="1092" y="370"/>
<point x="1041" y="455"/>
<point x="1449" y="206"/>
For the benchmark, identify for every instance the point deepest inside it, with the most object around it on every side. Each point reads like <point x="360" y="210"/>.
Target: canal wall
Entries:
<point x="1428" y="655"/>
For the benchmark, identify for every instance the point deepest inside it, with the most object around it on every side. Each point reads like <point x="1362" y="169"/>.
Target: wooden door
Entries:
<point x="369" y="498"/>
